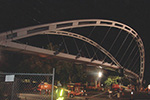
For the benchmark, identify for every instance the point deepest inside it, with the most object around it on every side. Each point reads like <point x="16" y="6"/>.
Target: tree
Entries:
<point x="112" y="80"/>
<point x="66" y="70"/>
<point x="80" y="74"/>
<point x="24" y="63"/>
<point x="70" y="72"/>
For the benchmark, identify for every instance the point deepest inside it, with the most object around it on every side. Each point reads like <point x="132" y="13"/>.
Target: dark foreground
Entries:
<point x="92" y="96"/>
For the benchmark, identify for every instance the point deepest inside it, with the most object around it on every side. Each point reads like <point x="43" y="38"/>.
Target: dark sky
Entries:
<point x="22" y="13"/>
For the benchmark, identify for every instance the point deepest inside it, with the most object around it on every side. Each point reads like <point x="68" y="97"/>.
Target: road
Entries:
<point x="91" y="96"/>
<point x="28" y="96"/>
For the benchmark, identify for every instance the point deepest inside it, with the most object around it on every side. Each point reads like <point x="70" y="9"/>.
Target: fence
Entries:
<point x="26" y="86"/>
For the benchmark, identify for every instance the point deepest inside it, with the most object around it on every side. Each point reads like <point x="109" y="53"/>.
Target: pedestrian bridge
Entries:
<point x="96" y="42"/>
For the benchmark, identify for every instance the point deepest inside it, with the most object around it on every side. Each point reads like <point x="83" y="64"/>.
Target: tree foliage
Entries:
<point x="112" y="80"/>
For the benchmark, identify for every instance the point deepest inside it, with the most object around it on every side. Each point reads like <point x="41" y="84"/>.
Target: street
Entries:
<point x="90" y="96"/>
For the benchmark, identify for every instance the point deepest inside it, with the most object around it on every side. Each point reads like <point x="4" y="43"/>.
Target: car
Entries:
<point x="44" y="88"/>
<point x="76" y="89"/>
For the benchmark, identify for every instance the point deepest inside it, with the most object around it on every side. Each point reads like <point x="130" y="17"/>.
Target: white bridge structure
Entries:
<point x="133" y="62"/>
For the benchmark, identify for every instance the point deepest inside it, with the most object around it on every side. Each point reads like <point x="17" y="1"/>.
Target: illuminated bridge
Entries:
<point x="96" y="42"/>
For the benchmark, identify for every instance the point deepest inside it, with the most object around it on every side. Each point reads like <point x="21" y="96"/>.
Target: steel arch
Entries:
<point x="93" y="43"/>
<point x="29" y="31"/>
<point x="74" y="35"/>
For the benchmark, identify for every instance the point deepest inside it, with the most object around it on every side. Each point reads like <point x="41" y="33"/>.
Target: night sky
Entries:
<point x="134" y="13"/>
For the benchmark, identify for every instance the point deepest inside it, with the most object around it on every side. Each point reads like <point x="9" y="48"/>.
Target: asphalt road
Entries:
<point x="91" y="96"/>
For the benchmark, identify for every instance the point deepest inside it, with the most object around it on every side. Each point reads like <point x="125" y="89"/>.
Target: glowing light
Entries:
<point x="61" y="92"/>
<point x="100" y="74"/>
<point x="45" y="86"/>
<point x="149" y="86"/>
<point x="60" y="98"/>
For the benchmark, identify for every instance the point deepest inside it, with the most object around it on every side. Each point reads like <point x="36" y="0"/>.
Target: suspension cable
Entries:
<point x="76" y="45"/>
<point x="94" y="52"/>
<point x="87" y="50"/>
<point x="88" y="36"/>
<point x="102" y="41"/>
<point x="137" y="70"/>
<point x="113" y="43"/>
<point x="126" y="50"/>
<point x="129" y="55"/>
<point x="115" y="40"/>
<point x="133" y="59"/>
<point x="65" y="45"/>
<point x="78" y="54"/>
<point x="48" y="40"/>
<point x="105" y="35"/>
<point x="135" y="62"/>
<point x="121" y="45"/>
<point x="70" y="29"/>
<point x="91" y="31"/>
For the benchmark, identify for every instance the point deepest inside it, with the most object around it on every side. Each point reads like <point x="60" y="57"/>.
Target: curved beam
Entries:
<point x="80" y="37"/>
<point x="83" y="38"/>
<point x="13" y="46"/>
<point x="29" y="31"/>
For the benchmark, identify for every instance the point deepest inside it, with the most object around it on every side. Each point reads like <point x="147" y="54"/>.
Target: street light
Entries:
<point x="149" y="86"/>
<point x="99" y="74"/>
<point x="148" y="89"/>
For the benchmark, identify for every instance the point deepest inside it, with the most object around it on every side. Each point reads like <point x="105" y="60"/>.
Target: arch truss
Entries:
<point x="62" y="29"/>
